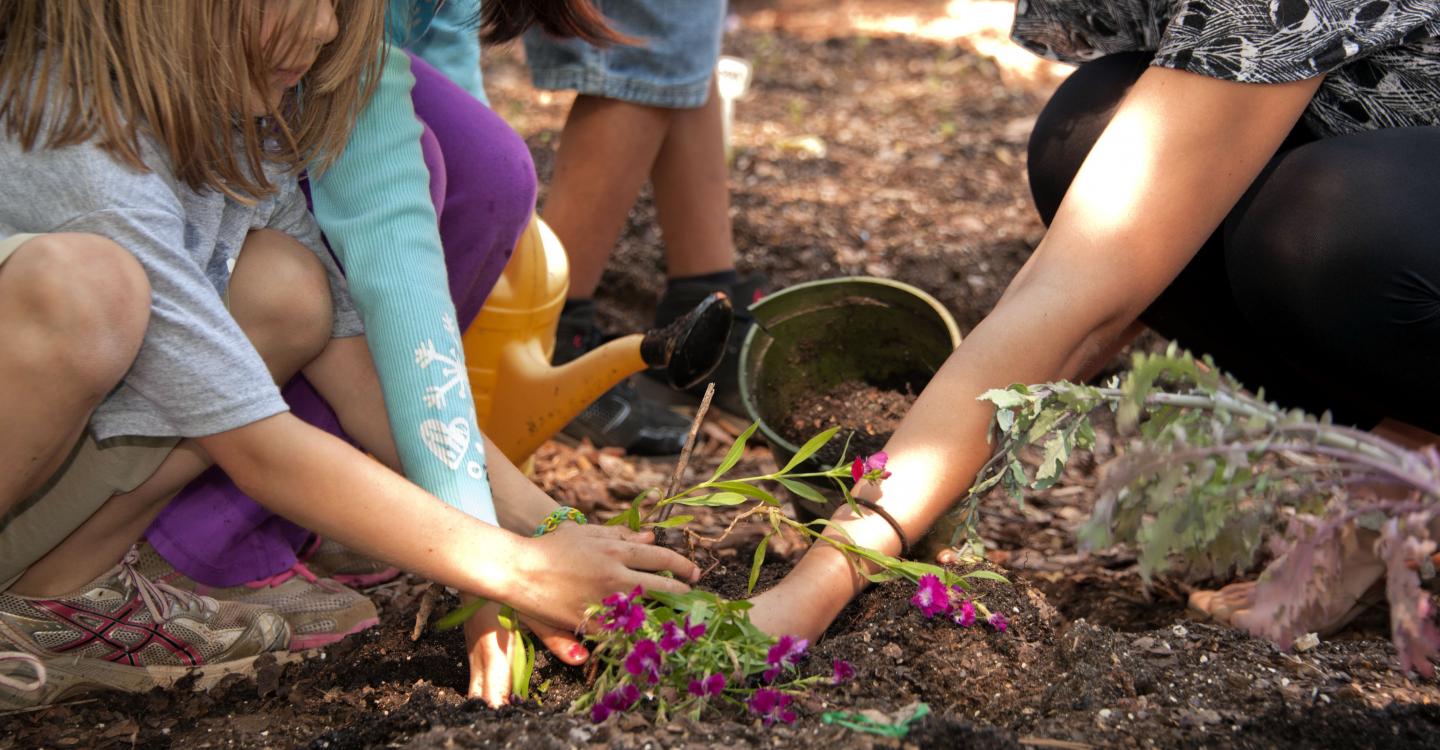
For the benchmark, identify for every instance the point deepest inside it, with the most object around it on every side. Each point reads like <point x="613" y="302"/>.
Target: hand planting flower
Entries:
<point x="870" y="468"/>
<point x="709" y="687"/>
<point x="644" y="661"/>
<point x="771" y="706"/>
<point x="931" y="596"/>
<point x="841" y="672"/>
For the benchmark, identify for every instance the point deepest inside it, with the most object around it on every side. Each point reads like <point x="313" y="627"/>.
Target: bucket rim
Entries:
<point x="748" y="401"/>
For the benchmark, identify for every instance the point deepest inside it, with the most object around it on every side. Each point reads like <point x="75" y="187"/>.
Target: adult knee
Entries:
<point x="1072" y="121"/>
<point x="280" y="295"/>
<point x="83" y="304"/>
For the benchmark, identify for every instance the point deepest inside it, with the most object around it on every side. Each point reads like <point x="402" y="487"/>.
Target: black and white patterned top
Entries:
<point x="1381" y="58"/>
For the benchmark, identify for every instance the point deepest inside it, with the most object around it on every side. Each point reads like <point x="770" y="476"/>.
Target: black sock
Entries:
<point x="720" y="280"/>
<point x="579" y="311"/>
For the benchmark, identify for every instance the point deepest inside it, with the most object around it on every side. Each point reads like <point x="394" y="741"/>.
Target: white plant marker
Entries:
<point x="732" y="79"/>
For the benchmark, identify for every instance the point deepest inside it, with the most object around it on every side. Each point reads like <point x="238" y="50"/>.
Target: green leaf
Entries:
<point x="986" y="575"/>
<point x="522" y="666"/>
<point x="1004" y="419"/>
<point x="1004" y="398"/>
<point x="808" y="449"/>
<point x="457" y="617"/>
<point x="757" y="564"/>
<point x="671" y="522"/>
<point x="712" y="501"/>
<point x="631" y="517"/>
<point x="803" y="490"/>
<point x="737" y="449"/>
<point x="744" y="488"/>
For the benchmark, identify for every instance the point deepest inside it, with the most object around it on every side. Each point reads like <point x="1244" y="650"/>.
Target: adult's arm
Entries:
<point x="1180" y="151"/>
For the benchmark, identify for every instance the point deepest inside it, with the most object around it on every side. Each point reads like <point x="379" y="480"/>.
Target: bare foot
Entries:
<point x="1361" y="587"/>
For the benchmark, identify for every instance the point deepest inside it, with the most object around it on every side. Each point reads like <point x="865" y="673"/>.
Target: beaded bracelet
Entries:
<point x="558" y="516"/>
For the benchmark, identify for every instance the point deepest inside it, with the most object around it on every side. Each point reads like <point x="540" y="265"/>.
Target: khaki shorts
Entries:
<point x="10" y="244"/>
<point x="91" y="475"/>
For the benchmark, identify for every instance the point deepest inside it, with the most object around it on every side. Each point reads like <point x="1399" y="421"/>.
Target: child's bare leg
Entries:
<point x="280" y="297"/>
<point x="692" y="192"/>
<point x="605" y="151"/>
<point x="73" y="308"/>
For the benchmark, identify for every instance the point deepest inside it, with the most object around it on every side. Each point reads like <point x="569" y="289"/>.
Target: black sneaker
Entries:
<point x="621" y="416"/>
<point x="681" y="297"/>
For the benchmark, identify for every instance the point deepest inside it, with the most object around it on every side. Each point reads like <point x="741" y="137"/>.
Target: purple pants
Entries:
<point x="483" y="185"/>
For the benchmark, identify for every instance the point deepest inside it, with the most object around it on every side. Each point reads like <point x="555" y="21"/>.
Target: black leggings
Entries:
<point x="1322" y="285"/>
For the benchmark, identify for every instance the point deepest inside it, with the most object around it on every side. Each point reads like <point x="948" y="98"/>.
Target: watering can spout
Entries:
<point x="521" y="399"/>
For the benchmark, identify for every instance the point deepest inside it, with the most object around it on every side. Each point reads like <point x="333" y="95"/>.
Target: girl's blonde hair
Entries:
<point x="186" y="73"/>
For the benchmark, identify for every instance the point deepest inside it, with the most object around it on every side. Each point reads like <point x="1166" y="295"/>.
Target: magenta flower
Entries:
<point x="709" y="687"/>
<point x="998" y="621"/>
<point x="771" y="705"/>
<point x="966" y="617"/>
<point x="931" y="596"/>
<point x="616" y="701"/>
<point x="676" y="635"/>
<point x="673" y="637"/>
<point x="623" y="613"/>
<point x="841" y="672"/>
<point x="870" y="467"/>
<point x="786" y="652"/>
<point x="621" y="598"/>
<point x="644" y="661"/>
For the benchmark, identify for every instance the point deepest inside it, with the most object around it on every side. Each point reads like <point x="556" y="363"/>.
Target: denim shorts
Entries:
<point x="678" y="43"/>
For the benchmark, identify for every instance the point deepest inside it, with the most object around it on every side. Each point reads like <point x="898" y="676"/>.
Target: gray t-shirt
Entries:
<point x="196" y="373"/>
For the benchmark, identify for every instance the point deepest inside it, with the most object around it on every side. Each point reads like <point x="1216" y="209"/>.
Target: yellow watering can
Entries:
<point x="520" y="398"/>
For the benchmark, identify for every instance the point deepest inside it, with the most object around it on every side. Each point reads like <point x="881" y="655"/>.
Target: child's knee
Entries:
<point x="280" y="294"/>
<point x="87" y="302"/>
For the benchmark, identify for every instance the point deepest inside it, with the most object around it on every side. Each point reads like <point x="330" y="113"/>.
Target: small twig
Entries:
<point x="427" y="607"/>
<point x="731" y="528"/>
<point x="663" y="537"/>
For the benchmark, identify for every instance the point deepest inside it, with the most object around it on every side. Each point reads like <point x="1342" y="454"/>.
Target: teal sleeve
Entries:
<point x="452" y="45"/>
<point x="374" y="206"/>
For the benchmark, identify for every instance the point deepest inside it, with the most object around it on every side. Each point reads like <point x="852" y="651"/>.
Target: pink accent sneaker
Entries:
<point x="331" y="559"/>
<point x="123" y="631"/>
<point x="319" y="611"/>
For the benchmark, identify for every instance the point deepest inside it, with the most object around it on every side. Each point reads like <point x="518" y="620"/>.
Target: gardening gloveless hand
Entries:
<point x="575" y="567"/>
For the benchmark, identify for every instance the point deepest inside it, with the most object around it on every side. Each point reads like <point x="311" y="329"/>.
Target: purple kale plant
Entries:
<point x="1208" y="474"/>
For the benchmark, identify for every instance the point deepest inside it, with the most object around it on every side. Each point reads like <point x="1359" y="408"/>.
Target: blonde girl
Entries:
<point x="159" y="273"/>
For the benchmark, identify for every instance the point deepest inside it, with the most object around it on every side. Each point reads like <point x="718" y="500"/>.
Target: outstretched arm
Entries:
<point x="322" y="483"/>
<point x="1179" y="153"/>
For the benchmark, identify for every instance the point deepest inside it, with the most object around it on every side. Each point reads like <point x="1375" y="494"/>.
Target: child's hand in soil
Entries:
<point x="491" y="648"/>
<point x="562" y="573"/>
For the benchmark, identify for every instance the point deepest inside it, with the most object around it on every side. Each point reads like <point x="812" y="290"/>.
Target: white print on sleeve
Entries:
<point x="449" y="442"/>
<point x="450" y="368"/>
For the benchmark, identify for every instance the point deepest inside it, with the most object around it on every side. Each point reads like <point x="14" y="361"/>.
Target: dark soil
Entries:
<point x="866" y="415"/>
<point x="1044" y="680"/>
<point x="921" y="178"/>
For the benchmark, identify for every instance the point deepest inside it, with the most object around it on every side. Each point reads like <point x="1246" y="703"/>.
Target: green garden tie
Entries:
<point x="861" y="723"/>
